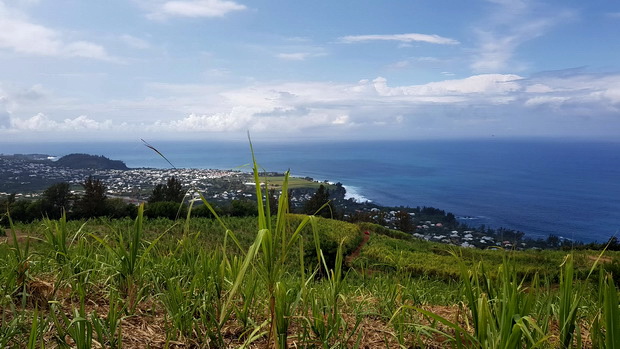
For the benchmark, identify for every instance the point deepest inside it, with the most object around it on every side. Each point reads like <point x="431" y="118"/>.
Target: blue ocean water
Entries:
<point x="571" y="189"/>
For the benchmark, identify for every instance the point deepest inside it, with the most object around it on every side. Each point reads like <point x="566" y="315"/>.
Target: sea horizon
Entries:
<point x="566" y="188"/>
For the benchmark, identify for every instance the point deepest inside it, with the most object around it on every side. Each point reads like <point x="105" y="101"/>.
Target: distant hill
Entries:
<point x="100" y="162"/>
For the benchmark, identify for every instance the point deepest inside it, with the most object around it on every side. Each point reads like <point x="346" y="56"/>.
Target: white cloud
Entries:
<point x="298" y="56"/>
<point x="538" y="88"/>
<point x="370" y="107"/>
<point x="236" y="120"/>
<point x="486" y="84"/>
<point x="407" y="38"/>
<point x="511" y="24"/>
<point x="87" y="50"/>
<point x="41" y="122"/>
<point x="542" y="100"/>
<point x="195" y="8"/>
<point x="291" y="107"/>
<point x="342" y="120"/>
<point x="18" y="34"/>
<point x="428" y="59"/>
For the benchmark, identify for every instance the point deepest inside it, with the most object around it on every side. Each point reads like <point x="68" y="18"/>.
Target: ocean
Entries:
<point x="541" y="187"/>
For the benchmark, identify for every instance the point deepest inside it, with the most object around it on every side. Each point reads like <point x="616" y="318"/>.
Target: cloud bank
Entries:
<point x="481" y="104"/>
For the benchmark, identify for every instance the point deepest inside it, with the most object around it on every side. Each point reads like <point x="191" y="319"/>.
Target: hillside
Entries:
<point x="87" y="161"/>
<point x="203" y="283"/>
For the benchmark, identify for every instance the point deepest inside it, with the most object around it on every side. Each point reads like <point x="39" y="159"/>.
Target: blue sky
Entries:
<point x="301" y="70"/>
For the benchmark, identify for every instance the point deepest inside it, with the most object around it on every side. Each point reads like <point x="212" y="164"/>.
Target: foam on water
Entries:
<point x="354" y="193"/>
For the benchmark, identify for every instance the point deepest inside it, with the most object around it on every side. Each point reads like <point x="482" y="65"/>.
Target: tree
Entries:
<point x="553" y="240"/>
<point x="165" y="209"/>
<point x="613" y="244"/>
<point x="157" y="195"/>
<point x="404" y="222"/>
<point x="93" y="202"/>
<point x="117" y="208"/>
<point x="242" y="208"/>
<point x="203" y="211"/>
<point x="25" y="211"/>
<point x="5" y="206"/>
<point x="318" y="200"/>
<point x="55" y="199"/>
<point x="6" y="203"/>
<point x="273" y="202"/>
<point x="171" y="191"/>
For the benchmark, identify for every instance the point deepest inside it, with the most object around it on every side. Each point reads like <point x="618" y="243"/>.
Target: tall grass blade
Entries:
<point x="34" y="330"/>
<point x="611" y="313"/>
<point x="569" y="303"/>
<point x="247" y="261"/>
<point x="157" y="151"/>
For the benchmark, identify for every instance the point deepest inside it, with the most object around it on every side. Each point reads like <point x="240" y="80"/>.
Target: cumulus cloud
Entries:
<point x="236" y="120"/>
<point x="20" y="35"/>
<point x="195" y="8"/>
<point x="298" y="106"/>
<point x="407" y="38"/>
<point x="498" y="99"/>
<point x="370" y="105"/>
<point x="41" y="122"/>
<point x="341" y="120"/>
<point x="254" y="119"/>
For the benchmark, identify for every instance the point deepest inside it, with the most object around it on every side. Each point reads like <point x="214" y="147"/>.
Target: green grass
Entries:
<point x="199" y="287"/>
<point x="293" y="182"/>
<point x="419" y="257"/>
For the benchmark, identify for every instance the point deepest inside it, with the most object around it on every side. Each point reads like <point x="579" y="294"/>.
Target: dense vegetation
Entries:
<point x="155" y="281"/>
<point x="283" y="280"/>
<point x="90" y="161"/>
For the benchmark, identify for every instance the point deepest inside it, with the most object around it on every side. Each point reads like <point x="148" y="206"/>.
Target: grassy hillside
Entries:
<point x="160" y="283"/>
<point x="390" y="250"/>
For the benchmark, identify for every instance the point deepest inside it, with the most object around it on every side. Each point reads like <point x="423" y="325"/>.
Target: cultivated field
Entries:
<point x="291" y="281"/>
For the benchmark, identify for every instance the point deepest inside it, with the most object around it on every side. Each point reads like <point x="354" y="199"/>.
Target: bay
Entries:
<point x="540" y="187"/>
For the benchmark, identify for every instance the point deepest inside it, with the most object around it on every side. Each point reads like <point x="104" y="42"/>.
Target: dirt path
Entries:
<point x="354" y="254"/>
<point x="8" y="238"/>
<point x="602" y="259"/>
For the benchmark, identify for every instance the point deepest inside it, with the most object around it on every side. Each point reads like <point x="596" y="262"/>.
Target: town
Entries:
<point x="27" y="176"/>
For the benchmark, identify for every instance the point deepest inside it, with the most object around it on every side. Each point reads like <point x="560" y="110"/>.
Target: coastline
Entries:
<point x="541" y="187"/>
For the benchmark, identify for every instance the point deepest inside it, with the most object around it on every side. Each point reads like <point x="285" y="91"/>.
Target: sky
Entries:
<point x="308" y="70"/>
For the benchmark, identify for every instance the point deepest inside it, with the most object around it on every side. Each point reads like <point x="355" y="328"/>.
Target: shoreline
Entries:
<point x="580" y="226"/>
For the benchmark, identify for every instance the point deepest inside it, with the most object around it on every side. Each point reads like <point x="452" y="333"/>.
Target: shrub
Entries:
<point x="166" y="209"/>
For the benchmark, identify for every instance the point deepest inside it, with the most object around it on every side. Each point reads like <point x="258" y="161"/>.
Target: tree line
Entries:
<point x="59" y="199"/>
<point x="167" y="200"/>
